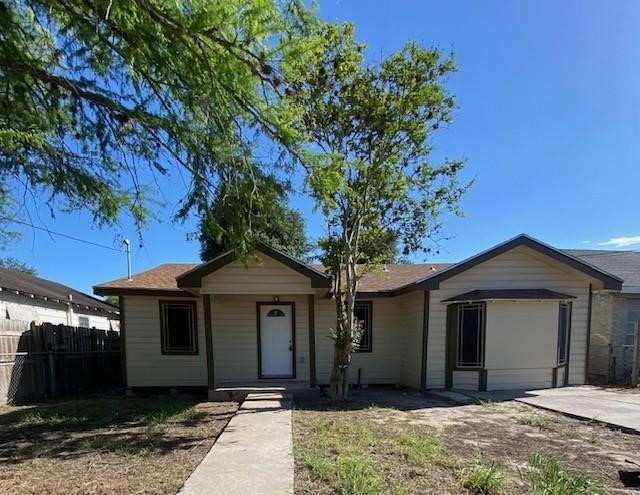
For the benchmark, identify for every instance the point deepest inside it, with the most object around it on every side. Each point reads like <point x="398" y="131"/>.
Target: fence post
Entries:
<point x="636" y="356"/>
<point x="48" y="330"/>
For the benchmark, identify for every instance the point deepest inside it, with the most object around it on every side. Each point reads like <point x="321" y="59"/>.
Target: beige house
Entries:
<point x="515" y="316"/>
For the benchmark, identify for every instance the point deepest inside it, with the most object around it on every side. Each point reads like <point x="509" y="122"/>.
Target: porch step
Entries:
<point x="238" y="391"/>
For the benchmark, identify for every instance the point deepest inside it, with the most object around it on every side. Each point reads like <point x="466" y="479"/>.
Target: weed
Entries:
<point x="483" y="478"/>
<point x="419" y="448"/>
<point x="319" y="465"/>
<point x="96" y="442"/>
<point x="488" y="404"/>
<point x="540" y="421"/>
<point x="357" y="476"/>
<point x="55" y="421"/>
<point x="548" y="478"/>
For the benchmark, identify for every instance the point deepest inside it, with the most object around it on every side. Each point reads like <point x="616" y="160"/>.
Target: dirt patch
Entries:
<point x="506" y="435"/>
<point x="117" y="445"/>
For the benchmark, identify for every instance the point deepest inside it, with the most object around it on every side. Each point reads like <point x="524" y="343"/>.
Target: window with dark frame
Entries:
<point x="362" y="313"/>
<point x="178" y="327"/>
<point x="470" y="336"/>
<point x="564" y="324"/>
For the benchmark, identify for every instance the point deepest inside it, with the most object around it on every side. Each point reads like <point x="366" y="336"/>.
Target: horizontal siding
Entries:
<point x="235" y="336"/>
<point x="262" y="276"/>
<point x="99" y="322"/>
<point x="519" y="268"/>
<point x="19" y="307"/>
<point x="385" y="363"/>
<point x="465" y="380"/>
<point x="146" y="366"/>
<point x="520" y="378"/>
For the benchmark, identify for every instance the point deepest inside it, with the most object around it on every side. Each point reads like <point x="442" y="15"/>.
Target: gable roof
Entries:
<point x="394" y="279"/>
<point x="433" y="282"/>
<point x="193" y="277"/>
<point x="623" y="264"/>
<point x="29" y="285"/>
<point x="162" y="279"/>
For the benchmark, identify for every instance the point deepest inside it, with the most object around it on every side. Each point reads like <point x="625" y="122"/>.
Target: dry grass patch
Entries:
<point x="412" y="444"/>
<point x="116" y="445"/>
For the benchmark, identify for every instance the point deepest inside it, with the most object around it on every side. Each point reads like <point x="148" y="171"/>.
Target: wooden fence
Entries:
<point x="51" y="361"/>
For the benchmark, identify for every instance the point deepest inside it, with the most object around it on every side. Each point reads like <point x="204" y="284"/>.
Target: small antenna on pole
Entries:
<point x="128" y="251"/>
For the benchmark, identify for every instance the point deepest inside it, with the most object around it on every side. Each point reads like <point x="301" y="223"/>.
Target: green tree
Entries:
<point x="378" y="246"/>
<point x="237" y="213"/>
<point x="97" y="96"/>
<point x="368" y="167"/>
<point x="113" y="300"/>
<point x="12" y="263"/>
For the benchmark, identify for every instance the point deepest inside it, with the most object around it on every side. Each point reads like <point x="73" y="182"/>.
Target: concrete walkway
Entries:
<point x="253" y="455"/>
<point x="617" y="409"/>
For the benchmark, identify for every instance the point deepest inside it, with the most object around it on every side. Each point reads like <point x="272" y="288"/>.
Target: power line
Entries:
<point x="66" y="236"/>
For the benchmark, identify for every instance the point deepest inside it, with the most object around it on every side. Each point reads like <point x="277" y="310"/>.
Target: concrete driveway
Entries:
<point x="617" y="409"/>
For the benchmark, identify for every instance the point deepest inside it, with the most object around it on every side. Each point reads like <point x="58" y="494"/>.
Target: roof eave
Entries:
<point x="433" y="281"/>
<point x="138" y="291"/>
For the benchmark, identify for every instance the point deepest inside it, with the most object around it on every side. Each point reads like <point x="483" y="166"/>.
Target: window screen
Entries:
<point x="470" y="335"/>
<point x="362" y="314"/>
<point x="564" y="323"/>
<point x="83" y="321"/>
<point x="178" y="327"/>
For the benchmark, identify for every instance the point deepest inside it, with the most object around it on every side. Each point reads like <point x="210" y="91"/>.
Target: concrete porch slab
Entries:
<point x="254" y="453"/>
<point x="239" y="390"/>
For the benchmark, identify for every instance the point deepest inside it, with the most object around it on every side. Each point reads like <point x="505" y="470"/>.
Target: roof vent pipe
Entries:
<point x="127" y="247"/>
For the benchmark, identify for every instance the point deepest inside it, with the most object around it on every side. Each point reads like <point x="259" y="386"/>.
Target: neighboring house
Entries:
<point x="614" y="315"/>
<point x="515" y="316"/>
<point x="29" y="298"/>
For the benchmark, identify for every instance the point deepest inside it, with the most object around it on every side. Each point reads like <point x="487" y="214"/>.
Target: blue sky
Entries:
<point x="548" y="121"/>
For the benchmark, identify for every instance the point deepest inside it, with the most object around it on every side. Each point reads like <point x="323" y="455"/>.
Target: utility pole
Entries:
<point x="127" y="248"/>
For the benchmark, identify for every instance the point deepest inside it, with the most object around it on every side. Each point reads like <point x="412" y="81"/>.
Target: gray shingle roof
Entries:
<point x="623" y="264"/>
<point x="25" y="284"/>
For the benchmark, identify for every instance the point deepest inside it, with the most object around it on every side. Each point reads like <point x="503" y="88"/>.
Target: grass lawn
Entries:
<point x="107" y="445"/>
<point x="388" y="442"/>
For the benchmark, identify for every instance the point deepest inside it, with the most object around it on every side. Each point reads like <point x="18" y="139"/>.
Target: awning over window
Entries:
<point x="496" y="294"/>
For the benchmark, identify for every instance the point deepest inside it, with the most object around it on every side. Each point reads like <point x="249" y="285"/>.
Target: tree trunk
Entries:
<point x="340" y="374"/>
<point x="345" y="288"/>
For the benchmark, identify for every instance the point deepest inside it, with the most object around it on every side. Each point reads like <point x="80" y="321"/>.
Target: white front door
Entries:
<point x="276" y="340"/>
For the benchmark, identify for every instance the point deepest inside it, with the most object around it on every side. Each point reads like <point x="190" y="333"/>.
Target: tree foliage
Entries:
<point x="369" y="129"/>
<point x="238" y="213"/>
<point x="96" y="95"/>
<point x="11" y="263"/>
<point x="113" y="300"/>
